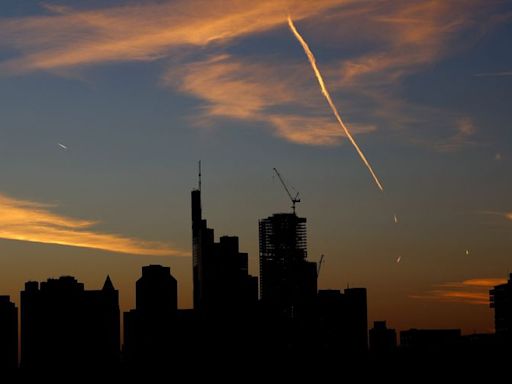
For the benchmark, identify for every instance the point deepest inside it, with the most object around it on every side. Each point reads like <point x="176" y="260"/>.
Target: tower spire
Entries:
<point x="199" y="175"/>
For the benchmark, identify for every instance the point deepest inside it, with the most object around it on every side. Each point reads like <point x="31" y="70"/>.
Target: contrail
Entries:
<point x="62" y="146"/>
<point x="325" y="92"/>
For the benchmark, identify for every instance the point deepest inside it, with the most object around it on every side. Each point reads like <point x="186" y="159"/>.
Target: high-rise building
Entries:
<point x="63" y="325"/>
<point x="343" y="321"/>
<point x="357" y="318"/>
<point x="156" y="291"/>
<point x="8" y="334"/>
<point x="287" y="280"/>
<point x="149" y="328"/>
<point x="382" y="338"/>
<point x="220" y="271"/>
<point x="501" y="301"/>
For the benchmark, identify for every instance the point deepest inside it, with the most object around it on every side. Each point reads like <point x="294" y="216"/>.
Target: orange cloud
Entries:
<point x="412" y="35"/>
<point x="394" y="38"/>
<point x="506" y="215"/>
<point x="34" y="222"/>
<point x="72" y="37"/>
<point x="486" y="283"/>
<point x="313" y="130"/>
<point x="472" y="291"/>
<point x="248" y="90"/>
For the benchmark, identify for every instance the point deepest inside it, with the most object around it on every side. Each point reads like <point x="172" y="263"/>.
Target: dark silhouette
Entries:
<point x="293" y="327"/>
<point x="149" y="329"/>
<point x="501" y="301"/>
<point x="382" y="339"/>
<point x="343" y="321"/>
<point x="8" y="335"/>
<point x="220" y="272"/>
<point x="288" y="281"/>
<point x="429" y="340"/>
<point x="65" y="326"/>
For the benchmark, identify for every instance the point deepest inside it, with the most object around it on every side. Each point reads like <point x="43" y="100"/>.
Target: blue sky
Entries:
<point x="139" y="91"/>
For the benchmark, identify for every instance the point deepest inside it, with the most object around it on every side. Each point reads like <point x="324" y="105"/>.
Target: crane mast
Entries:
<point x="294" y="199"/>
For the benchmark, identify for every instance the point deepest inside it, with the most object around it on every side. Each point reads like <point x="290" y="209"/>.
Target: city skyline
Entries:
<point x="107" y="107"/>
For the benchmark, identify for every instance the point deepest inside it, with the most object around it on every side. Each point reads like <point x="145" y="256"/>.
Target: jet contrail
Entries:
<point x="396" y="218"/>
<point x="325" y="92"/>
<point x="62" y="146"/>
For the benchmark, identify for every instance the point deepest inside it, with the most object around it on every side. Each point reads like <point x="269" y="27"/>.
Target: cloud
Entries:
<point x="506" y="215"/>
<point x="249" y="90"/>
<point x="494" y="74"/>
<point x="34" y="222"/>
<point x="472" y="291"/>
<point x="313" y="130"/>
<point x="465" y="129"/>
<point x="392" y="39"/>
<point x="68" y="37"/>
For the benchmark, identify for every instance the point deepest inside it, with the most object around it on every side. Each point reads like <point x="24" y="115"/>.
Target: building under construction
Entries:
<point x="287" y="279"/>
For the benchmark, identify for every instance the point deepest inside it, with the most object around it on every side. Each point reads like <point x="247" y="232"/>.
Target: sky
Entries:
<point x="107" y="106"/>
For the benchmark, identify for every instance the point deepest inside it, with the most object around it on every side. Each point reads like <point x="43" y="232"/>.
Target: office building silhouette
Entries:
<point x="430" y="340"/>
<point x="8" y="335"/>
<point x="65" y="326"/>
<point x="501" y="301"/>
<point x="220" y="271"/>
<point x="288" y="282"/>
<point x="382" y="338"/>
<point x="343" y="321"/>
<point x="149" y="328"/>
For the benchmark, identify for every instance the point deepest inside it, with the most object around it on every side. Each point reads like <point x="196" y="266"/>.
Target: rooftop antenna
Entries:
<point x="319" y="265"/>
<point x="199" y="175"/>
<point x="295" y="199"/>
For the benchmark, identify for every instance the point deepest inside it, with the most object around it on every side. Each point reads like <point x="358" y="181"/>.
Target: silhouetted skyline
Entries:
<point x="64" y="326"/>
<point x="106" y="106"/>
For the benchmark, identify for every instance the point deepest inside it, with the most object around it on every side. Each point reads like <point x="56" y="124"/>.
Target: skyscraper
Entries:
<point x="149" y="328"/>
<point x="220" y="271"/>
<point x="287" y="279"/>
<point x="382" y="338"/>
<point x="63" y="325"/>
<point x="8" y="334"/>
<point x="501" y="301"/>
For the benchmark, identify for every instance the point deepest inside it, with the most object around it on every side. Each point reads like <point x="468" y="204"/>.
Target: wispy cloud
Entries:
<point x="506" y="215"/>
<point x="472" y="291"/>
<point x="395" y="38"/>
<point x="464" y="130"/>
<point x="35" y="222"/>
<point x="494" y="74"/>
<point x="248" y="90"/>
<point x="147" y="31"/>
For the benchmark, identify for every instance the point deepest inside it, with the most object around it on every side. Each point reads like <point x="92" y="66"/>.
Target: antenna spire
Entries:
<point x="199" y="175"/>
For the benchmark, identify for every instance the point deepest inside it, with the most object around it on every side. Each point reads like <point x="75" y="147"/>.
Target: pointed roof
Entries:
<point x="108" y="286"/>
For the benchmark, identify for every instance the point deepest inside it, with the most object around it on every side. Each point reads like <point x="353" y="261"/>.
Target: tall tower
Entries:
<point x="150" y="330"/>
<point x="200" y="234"/>
<point x="219" y="270"/>
<point x="287" y="279"/>
<point x="501" y="301"/>
<point x="8" y="335"/>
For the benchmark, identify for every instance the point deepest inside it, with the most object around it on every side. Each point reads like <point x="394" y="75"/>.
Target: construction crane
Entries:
<point x="295" y="199"/>
<point x="319" y="266"/>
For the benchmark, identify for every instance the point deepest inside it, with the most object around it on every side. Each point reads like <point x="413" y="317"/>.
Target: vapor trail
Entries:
<point x="325" y="92"/>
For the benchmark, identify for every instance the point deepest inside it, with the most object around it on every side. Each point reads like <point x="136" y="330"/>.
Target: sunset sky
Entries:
<point x="106" y="107"/>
